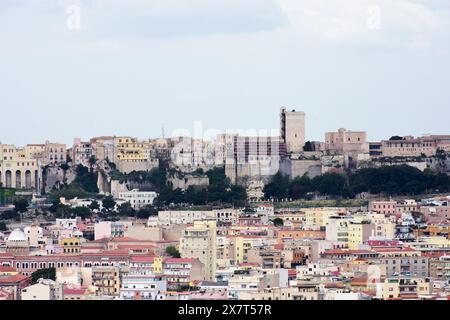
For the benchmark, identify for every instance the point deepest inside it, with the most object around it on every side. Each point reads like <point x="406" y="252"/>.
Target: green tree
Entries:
<point x="3" y="226"/>
<point x="48" y="273"/>
<point x="21" y="205"/>
<point x="308" y="146"/>
<point x="108" y="203"/>
<point x="278" y="187"/>
<point x="126" y="210"/>
<point x="173" y="252"/>
<point x="94" y="205"/>
<point x="278" y="222"/>
<point x="86" y="179"/>
<point x="146" y="212"/>
<point x="82" y="212"/>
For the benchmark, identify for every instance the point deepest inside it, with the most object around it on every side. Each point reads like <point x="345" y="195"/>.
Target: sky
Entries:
<point x="84" y="68"/>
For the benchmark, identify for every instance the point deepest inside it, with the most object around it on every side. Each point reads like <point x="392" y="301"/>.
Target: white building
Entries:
<point x="145" y="286"/>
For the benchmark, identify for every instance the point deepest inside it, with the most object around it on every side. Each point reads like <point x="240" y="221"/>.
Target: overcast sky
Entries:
<point x="132" y="66"/>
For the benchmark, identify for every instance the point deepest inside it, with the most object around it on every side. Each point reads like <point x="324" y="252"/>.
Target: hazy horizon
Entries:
<point x="131" y="67"/>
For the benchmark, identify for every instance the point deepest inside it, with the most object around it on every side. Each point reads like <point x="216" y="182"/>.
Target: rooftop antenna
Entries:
<point x="163" y="133"/>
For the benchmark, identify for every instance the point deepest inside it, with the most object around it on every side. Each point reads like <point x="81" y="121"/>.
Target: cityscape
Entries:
<point x="232" y="218"/>
<point x="224" y="158"/>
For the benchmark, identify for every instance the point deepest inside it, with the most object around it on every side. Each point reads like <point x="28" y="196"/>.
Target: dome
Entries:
<point x="17" y="235"/>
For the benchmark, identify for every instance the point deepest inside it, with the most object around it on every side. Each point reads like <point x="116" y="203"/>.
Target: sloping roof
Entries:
<point x="7" y="269"/>
<point x="13" y="279"/>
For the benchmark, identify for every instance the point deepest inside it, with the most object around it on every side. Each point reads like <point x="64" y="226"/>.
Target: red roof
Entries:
<point x="349" y="252"/>
<point x="117" y="252"/>
<point x="178" y="260"/>
<point x="248" y="264"/>
<point x="142" y="259"/>
<point x="292" y="272"/>
<point x="136" y="246"/>
<point x="7" y="269"/>
<point x="126" y="239"/>
<point x="74" y="291"/>
<point x="13" y="279"/>
<point x="401" y="249"/>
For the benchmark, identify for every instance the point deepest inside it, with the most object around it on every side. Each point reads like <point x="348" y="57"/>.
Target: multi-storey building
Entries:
<point x="106" y="279"/>
<point x="81" y="152"/>
<point x="200" y="241"/>
<point x="18" y="170"/>
<point x="48" y="153"/>
<point x="415" y="147"/>
<point x="253" y="158"/>
<point x="138" y="199"/>
<point x="404" y="261"/>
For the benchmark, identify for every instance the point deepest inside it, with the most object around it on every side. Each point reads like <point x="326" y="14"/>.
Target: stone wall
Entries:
<point x="129" y="166"/>
<point x="189" y="180"/>
<point x="55" y="176"/>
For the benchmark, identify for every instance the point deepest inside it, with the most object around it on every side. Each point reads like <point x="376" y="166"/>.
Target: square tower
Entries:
<point x="292" y="125"/>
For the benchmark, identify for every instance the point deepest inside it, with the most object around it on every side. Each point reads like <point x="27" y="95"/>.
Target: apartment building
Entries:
<point x="200" y="241"/>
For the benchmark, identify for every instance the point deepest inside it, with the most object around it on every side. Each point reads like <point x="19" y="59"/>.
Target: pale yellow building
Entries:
<point x="200" y="241"/>
<point x="106" y="280"/>
<point x="358" y="233"/>
<point x="18" y="170"/>
<point x="317" y="218"/>
<point x="71" y="245"/>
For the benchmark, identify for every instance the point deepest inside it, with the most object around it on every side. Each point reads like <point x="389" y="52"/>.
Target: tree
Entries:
<point x="332" y="184"/>
<point x="94" y="205"/>
<point x="126" y="210"/>
<point x="299" y="187"/>
<point x="278" y="187"/>
<point x="86" y="179"/>
<point x="146" y="212"/>
<point x="82" y="212"/>
<point x="48" y="273"/>
<point x="3" y="226"/>
<point x="108" y="203"/>
<point x="21" y="205"/>
<point x="92" y="160"/>
<point x="173" y="252"/>
<point x="278" y="222"/>
<point x="396" y="138"/>
<point x="62" y="211"/>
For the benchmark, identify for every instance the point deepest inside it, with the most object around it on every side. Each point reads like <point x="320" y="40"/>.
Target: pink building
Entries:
<point x="384" y="207"/>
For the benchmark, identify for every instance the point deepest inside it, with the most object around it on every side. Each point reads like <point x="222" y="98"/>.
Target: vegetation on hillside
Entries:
<point x="388" y="180"/>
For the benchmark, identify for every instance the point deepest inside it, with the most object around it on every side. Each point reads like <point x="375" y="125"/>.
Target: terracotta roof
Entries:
<point x="7" y="269"/>
<point x="126" y="239"/>
<point x="118" y="252"/>
<point x="13" y="279"/>
<point x="142" y="259"/>
<point x="401" y="249"/>
<point x="136" y="246"/>
<point x="74" y="291"/>
<point x="178" y="260"/>
<point x="349" y="252"/>
<point x="248" y="264"/>
<point x="292" y="272"/>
